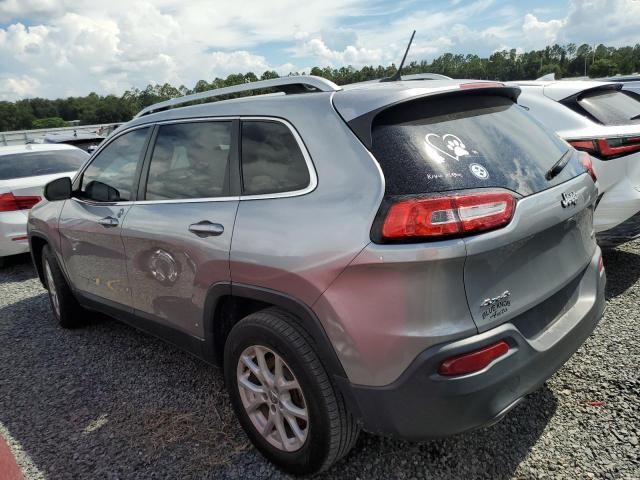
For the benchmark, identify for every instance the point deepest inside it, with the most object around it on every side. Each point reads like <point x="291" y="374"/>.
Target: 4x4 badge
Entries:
<point x="569" y="199"/>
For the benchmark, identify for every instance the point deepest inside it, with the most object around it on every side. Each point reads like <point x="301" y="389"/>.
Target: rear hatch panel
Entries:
<point x="480" y="139"/>
<point x="544" y="248"/>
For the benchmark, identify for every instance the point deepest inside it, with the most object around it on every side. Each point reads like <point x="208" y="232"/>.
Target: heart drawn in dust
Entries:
<point x="448" y="145"/>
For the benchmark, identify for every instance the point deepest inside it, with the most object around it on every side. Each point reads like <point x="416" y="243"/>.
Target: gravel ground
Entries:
<point x="108" y="402"/>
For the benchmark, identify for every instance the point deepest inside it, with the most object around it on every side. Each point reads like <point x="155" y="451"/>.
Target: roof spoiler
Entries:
<point x="361" y="125"/>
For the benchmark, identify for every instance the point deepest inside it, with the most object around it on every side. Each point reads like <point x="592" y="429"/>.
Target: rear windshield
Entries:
<point x="470" y="141"/>
<point x="32" y="164"/>
<point x="611" y="107"/>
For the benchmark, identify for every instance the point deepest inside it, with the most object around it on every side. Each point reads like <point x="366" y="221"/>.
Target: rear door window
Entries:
<point x="190" y="160"/>
<point x="32" y="164"/>
<point x="272" y="161"/>
<point x="611" y="107"/>
<point x="460" y="142"/>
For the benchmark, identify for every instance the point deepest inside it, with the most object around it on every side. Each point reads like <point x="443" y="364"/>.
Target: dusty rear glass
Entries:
<point x="611" y="107"/>
<point x="32" y="164"/>
<point x="471" y="141"/>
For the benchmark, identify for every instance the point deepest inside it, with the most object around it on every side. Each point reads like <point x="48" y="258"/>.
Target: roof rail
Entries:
<point x="425" y="76"/>
<point x="292" y="84"/>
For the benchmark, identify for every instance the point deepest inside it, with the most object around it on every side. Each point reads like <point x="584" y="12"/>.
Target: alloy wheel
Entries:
<point x="272" y="398"/>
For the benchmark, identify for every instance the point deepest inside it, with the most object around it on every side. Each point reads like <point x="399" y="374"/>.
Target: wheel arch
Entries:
<point x="227" y="303"/>
<point x="37" y="242"/>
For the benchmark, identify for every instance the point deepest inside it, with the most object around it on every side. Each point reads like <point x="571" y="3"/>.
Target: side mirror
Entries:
<point x="101" y="192"/>
<point x="58" y="189"/>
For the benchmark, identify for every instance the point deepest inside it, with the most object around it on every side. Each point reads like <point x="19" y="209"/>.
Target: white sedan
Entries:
<point x="24" y="171"/>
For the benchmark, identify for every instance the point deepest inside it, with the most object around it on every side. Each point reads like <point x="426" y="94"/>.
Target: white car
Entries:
<point x="602" y="119"/>
<point x="24" y="171"/>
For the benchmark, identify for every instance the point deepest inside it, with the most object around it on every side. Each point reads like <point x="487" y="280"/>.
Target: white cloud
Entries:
<point x="539" y="34"/>
<point x="222" y="64"/>
<point x="33" y="8"/>
<point x="315" y="47"/>
<point x="16" y="87"/>
<point x="65" y="47"/>
<point x="612" y="22"/>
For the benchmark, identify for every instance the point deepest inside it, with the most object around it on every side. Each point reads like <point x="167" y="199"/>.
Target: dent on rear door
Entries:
<point x="170" y="268"/>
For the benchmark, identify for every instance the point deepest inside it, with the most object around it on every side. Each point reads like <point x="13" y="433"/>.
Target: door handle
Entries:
<point x="108" y="222"/>
<point x="206" y="229"/>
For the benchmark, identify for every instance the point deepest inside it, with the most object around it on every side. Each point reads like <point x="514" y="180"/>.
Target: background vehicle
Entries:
<point x="603" y="120"/>
<point x="630" y="83"/>
<point x="389" y="241"/>
<point x="24" y="170"/>
<point x="83" y="140"/>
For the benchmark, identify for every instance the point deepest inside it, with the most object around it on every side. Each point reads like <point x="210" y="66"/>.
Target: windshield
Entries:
<point x="451" y="143"/>
<point x="32" y="164"/>
<point x="611" y="107"/>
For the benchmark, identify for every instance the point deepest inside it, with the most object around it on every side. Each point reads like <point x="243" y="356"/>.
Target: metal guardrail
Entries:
<point x="20" y="137"/>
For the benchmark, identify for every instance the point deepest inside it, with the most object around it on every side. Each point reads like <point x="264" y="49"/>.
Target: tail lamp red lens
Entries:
<point x="448" y="215"/>
<point x="608" y="148"/>
<point x="588" y="165"/>
<point x="10" y="202"/>
<point x="473" y="361"/>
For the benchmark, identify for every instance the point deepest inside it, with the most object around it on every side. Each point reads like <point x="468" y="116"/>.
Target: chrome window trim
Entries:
<point x="189" y="200"/>
<point x="313" y="178"/>
<point x="94" y="203"/>
<point x="228" y="118"/>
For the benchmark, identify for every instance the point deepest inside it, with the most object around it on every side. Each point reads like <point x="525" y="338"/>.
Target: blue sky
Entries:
<point x="57" y="48"/>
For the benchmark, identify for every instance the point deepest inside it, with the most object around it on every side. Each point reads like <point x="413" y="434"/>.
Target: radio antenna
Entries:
<point x="398" y="75"/>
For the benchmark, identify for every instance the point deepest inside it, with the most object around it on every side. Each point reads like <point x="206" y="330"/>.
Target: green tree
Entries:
<point x="569" y="60"/>
<point x="48" y="122"/>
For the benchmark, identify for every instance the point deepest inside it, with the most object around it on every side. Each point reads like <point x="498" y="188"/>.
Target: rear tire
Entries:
<point x="66" y="309"/>
<point x="312" y="428"/>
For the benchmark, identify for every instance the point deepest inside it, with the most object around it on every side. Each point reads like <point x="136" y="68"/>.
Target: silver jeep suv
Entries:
<point x="407" y="257"/>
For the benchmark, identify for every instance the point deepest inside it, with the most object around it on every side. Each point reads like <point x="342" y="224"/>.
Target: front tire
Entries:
<point x="282" y="394"/>
<point x="65" y="307"/>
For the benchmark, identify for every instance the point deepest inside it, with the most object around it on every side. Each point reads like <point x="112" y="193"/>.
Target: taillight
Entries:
<point x="588" y="165"/>
<point x="608" y="148"/>
<point x="473" y="361"/>
<point x="10" y="202"/>
<point x="449" y="215"/>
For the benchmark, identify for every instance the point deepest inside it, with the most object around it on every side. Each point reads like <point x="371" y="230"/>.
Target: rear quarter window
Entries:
<point x="32" y="164"/>
<point x="272" y="161"/>
<point x="471" y="141"/>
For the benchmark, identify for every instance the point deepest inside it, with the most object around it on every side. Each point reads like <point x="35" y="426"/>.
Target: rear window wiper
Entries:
<point x="559" y="165"/>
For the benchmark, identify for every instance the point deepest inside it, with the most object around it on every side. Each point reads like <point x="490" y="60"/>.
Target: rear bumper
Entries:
<point x="624" y="232"/>
<point x="619" y="203"/>
<point x="423" y="404"/>
<point x="13" y="232"/>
